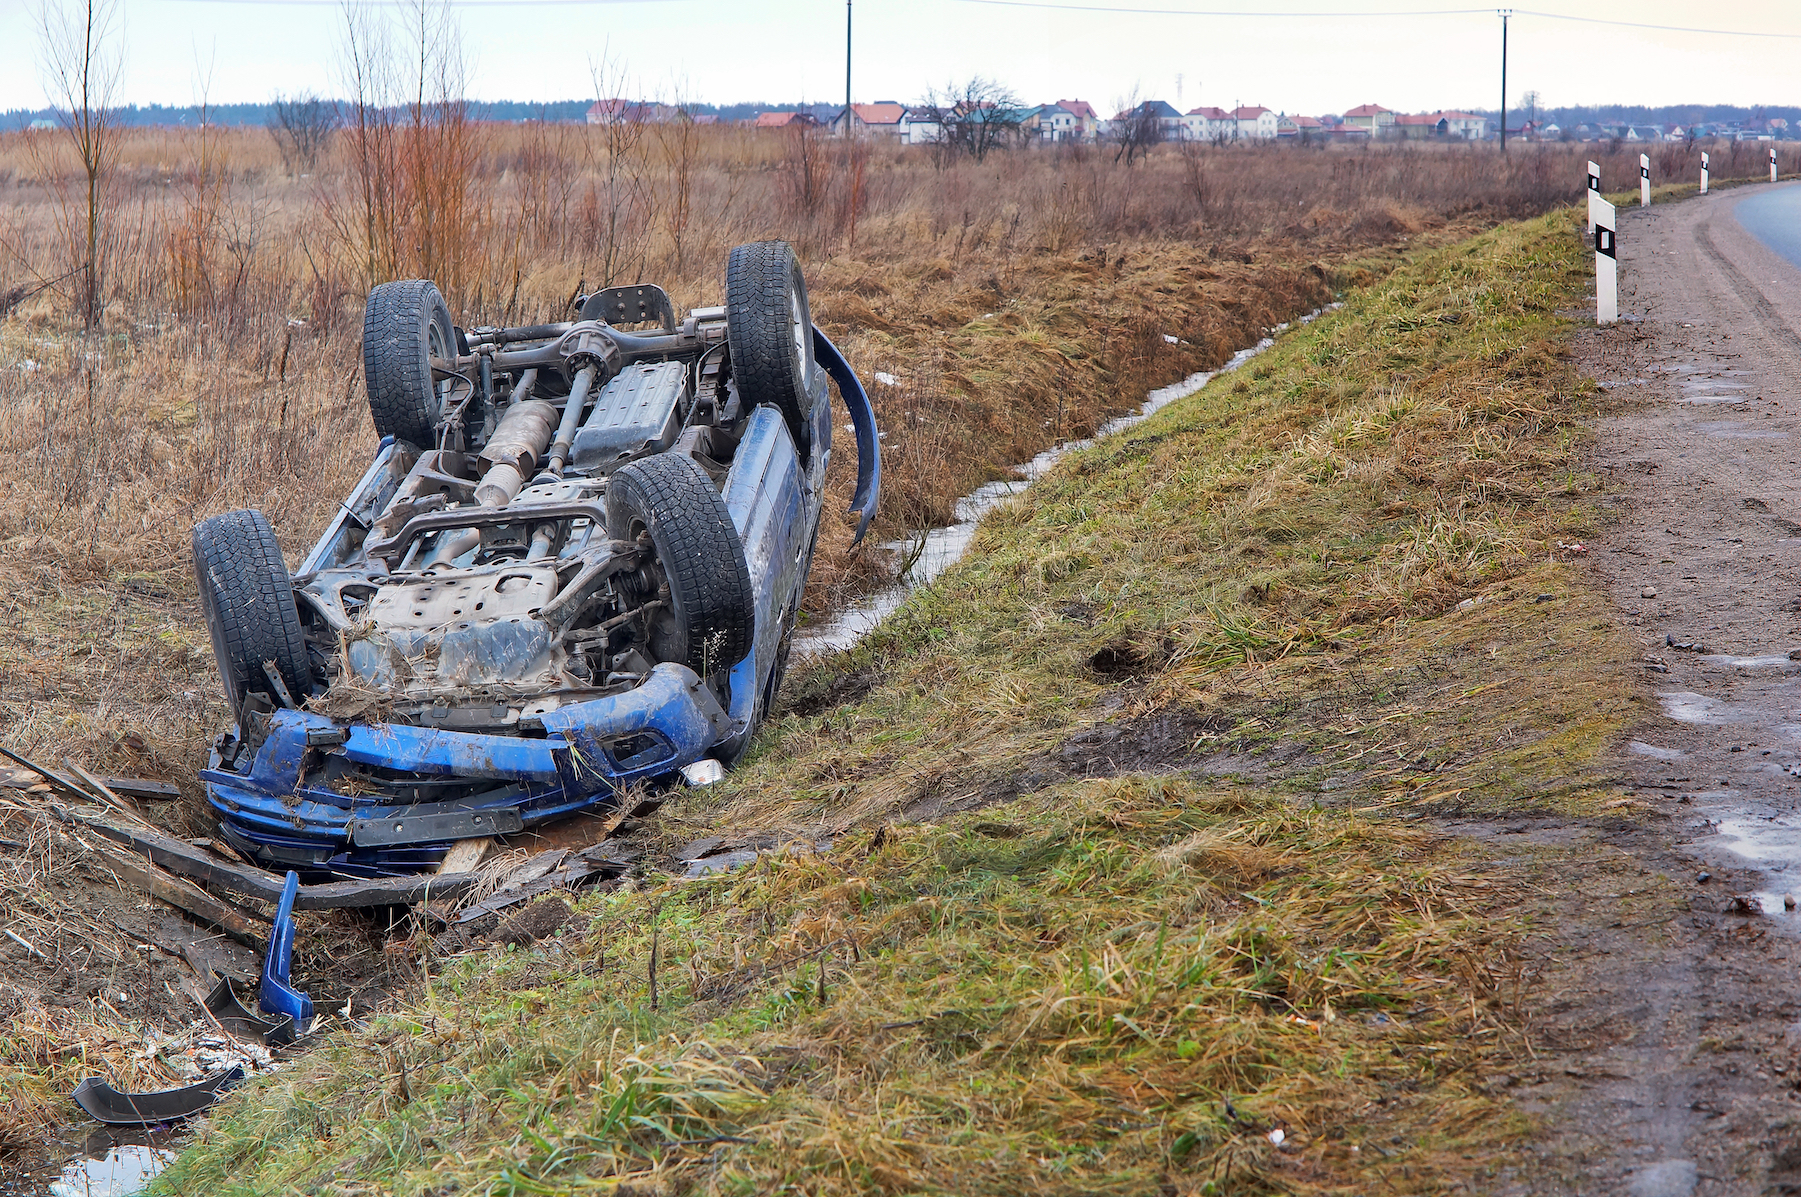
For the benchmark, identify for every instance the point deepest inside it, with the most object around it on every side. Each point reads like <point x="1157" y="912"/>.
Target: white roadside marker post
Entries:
<point x="1607" y="271"/>
<point x="1644" y="180"/>
<point x="1594" y="193"/>
<point x="1703" y="172"/>
<point x="1772" y="164"/>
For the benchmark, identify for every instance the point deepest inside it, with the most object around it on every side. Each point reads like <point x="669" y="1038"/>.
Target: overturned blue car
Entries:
<point x="569" y="575"/>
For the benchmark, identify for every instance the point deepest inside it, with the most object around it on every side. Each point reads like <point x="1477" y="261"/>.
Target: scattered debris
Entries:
<point x="223" y="1007"/>
<point x="1648" y="592"/>
<point x="1703" y="878"/>
<point x="27" y="945"/>
<point x="1788" y="901"/>
<point x="1657" y="664"/>
<point x="1685" y="646"/>
<point x="603" y="860"/>
<point x="1746" y="904"/>
<point x="1576" y="547"/>
<point x="724" y="862"/>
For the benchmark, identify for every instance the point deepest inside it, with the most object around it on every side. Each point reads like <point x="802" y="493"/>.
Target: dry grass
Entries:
<point x="1017" y="303"/>
<point x="1033" y="959"/>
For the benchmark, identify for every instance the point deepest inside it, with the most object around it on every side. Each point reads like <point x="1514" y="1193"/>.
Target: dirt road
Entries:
<point x="1674" y="1066"/>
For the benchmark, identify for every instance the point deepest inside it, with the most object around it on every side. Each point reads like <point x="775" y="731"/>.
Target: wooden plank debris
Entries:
<point x="180" y="857"/>
<point x="600" y="861"/>
<point x="184" y="895"/>
<point x="464" y="855"/>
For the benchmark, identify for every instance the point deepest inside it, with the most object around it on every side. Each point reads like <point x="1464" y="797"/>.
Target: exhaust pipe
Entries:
<point x="516" y="447"/>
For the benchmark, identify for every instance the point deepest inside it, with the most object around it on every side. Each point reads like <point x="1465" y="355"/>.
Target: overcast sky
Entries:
<point x="721" y="51"/>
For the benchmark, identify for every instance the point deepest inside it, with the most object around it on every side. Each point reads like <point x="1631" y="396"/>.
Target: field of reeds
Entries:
<point x="195" y="348"/>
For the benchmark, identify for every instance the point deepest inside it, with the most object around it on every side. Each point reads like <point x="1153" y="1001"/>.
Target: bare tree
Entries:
<point x="679" y="140"/>
<point x="976" y="118"/>
<point x="1136" y="129"/>
<point x="411" y="147"/>
<point x="618" y="199"/>
<point x="302" y="128"/>
<point x="81" y="61"/>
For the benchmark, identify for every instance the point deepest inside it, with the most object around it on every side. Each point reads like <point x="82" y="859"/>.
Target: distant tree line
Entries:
<point x="559" y="111"/>
<point x="1639" y="114"/>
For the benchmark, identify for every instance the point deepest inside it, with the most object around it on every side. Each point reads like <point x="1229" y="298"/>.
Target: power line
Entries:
<point x="1200" y="12"/>
<point x="1047" y="5"/>
<point x="1557" y="16"/>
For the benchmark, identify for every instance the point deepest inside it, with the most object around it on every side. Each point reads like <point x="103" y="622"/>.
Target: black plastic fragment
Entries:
<point x="106" y="1104"/>
<point x="223" y="1004"/>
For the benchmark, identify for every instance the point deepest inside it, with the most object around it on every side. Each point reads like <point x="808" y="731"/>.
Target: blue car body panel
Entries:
<point x="766" y="493"/>
<point x="272" y="807"/>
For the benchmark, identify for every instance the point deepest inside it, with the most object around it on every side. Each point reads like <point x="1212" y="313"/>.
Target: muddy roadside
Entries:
<point x="1666" y="1034"/>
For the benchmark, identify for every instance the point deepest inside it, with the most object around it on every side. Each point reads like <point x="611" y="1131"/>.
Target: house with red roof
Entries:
<point x="1453" y="126"/>
<point x="1088" y="121"/>
<point x="783" y="120"/>
<point x="1255" y="123"/>
<point x="883" y="119"/>
<point x="1209" y="124"/>
<point x="1371" y="118"/>
<point x="1301" y="127"/>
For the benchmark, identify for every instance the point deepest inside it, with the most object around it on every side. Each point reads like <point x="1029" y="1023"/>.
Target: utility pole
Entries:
<point x="847" y="113"/>
<point x="1505" y="13"/>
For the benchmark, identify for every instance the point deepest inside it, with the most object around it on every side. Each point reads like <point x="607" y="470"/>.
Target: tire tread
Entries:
<point x="699" y="550"/>
<point x="396" y="372"/>
<point x="248" y="599"/>
<point x="757" y="281"/>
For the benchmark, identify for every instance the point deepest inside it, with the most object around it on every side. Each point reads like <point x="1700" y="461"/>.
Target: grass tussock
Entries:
<point x="1012" y="932"/>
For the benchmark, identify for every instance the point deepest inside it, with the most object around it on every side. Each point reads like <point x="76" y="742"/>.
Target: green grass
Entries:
<point x="1005" y="975"/>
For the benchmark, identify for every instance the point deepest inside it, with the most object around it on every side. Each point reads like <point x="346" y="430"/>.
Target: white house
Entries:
<point x="1208" y="124"/>
<point x="919" y="126"/>
<point x="1054" y="122"/>
<point x="1466" y="125"/>
<point x="1254" y="124"/>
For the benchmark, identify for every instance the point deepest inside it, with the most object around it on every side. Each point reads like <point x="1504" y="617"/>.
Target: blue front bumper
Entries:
<point x="267" y="808"/>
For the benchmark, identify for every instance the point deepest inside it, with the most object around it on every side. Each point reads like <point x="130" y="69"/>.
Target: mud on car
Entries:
<point x="572" y="568"/>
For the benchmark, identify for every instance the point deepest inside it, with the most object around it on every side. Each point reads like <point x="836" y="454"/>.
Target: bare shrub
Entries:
<point x="302" y="128"/>
<point x="976" y="118"/>
<point x="407" y="207"/>
<point x="82" y="62"/>
<point x="617" y="206"/>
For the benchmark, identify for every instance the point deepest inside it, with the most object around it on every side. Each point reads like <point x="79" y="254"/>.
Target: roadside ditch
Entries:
<point x="1162" y="837"/>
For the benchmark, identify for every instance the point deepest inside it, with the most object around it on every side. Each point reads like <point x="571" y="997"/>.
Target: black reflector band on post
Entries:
<point x="1604" y="241"/>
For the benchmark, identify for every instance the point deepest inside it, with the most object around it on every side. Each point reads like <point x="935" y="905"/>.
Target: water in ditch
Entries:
<point x="944" y="547"/>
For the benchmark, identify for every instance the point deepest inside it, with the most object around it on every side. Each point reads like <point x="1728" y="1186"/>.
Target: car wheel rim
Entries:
<point x="435" y="347"/>
<point x="800" y="325"/>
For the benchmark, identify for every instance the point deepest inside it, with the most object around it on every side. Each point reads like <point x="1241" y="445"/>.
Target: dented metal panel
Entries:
<point x="636" y="413"/>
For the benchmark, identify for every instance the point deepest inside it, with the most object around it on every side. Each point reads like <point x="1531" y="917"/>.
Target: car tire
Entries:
<point x="405" y="325"/>
<point x="769" y="332"/>
<point x="711" y="620"/>
<point x="247" y="598"/>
